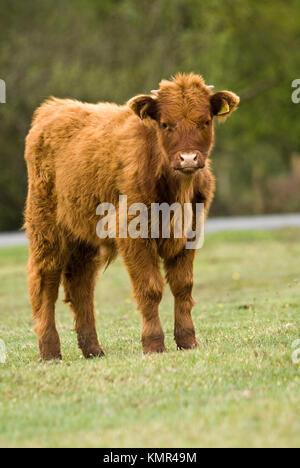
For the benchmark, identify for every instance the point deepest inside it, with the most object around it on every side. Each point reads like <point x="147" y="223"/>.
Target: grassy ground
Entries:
<point x="240" y="388"/>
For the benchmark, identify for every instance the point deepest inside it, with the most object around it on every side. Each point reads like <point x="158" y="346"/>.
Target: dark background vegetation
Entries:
<point x="113" y="49"/>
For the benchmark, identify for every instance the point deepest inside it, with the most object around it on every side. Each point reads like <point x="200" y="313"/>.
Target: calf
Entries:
<point x="153" y="149"/>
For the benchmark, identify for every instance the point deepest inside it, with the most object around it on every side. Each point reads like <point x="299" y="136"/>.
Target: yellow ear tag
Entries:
<point x="224" y="108"/>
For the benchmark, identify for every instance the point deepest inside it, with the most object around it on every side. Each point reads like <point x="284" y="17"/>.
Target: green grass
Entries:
<point x="240" y="388"/>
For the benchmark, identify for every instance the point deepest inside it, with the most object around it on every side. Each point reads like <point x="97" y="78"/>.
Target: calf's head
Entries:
<point x="182" y="112"/>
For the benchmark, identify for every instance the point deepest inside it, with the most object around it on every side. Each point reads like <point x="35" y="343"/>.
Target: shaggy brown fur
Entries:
<point x="79" y="155"/>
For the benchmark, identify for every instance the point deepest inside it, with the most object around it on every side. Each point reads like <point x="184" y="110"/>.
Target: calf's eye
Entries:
<point x="164" y="125"/>
<point x="203" y="125"/>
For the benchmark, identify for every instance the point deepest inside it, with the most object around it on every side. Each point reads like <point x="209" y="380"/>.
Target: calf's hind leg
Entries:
<point x="79" y="278"/>
<point x="43" y="282"/>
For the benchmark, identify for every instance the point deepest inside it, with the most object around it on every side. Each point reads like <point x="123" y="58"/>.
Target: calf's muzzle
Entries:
<point x="188" y="161"/>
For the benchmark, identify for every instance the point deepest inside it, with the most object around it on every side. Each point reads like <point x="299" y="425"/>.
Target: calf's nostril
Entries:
<point x="181" y="158"/>
<point x="195" y="158"/>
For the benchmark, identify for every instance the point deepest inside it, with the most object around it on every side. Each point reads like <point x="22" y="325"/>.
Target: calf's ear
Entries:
<point x="144" y="106"/>
<point x="223" y="103"/>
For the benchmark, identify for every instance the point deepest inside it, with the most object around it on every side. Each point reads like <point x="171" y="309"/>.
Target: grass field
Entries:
<point x="239" y="388"/>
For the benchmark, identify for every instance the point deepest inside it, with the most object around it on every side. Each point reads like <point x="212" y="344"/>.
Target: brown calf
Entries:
<point x="153" y="149"/>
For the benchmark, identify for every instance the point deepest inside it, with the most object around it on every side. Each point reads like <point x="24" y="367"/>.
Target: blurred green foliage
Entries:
<point x="110" y="50"/>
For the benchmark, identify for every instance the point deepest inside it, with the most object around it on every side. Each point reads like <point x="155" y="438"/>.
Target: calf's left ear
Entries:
<point x="223" y="103"/>
<point x="144" y="106"/>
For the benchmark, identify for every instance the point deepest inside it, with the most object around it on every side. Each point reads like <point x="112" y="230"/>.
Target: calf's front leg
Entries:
<point x="142" y="263"/>
<point x="179" y="273"/>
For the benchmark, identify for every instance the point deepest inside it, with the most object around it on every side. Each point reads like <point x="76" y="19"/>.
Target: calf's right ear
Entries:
<point x="144" y="106"/>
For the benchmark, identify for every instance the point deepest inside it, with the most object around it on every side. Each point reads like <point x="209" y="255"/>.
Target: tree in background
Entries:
<point x="113" y="49"/>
